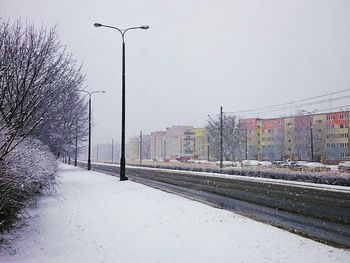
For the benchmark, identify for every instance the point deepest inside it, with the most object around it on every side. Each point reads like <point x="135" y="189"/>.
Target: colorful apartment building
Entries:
<point x="291" y="138"/>
<point x="179" y="142"/>
<point x="253" y="134"/>
<point x="272" y="139"/>
<point x="200" y="144"/>
<point x="336" y="145"/>
<point x="322" y="137"/>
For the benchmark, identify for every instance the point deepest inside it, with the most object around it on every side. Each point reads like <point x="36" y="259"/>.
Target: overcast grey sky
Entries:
<point x="198" y="55"/>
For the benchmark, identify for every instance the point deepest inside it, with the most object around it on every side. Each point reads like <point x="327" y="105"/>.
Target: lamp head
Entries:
<point x="97" y="25"/>
<point x="144" y="27"/>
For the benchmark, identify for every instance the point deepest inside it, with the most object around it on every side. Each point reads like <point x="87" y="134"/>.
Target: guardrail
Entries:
<point x="318" y="211"/>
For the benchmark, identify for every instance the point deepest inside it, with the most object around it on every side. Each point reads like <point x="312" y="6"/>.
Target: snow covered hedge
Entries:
<point x="281" y="174"/>
<point x="25" y="173"/>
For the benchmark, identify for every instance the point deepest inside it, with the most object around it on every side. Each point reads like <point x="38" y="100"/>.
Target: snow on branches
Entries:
<point x="39" y="88"/>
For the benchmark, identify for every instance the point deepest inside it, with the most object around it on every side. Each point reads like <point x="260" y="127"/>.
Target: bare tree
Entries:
<point x="233" y="138"/>
<point x="37" y="75"/>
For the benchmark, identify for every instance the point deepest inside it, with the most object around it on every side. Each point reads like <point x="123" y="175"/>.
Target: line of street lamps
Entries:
<point x="122" y="175"/>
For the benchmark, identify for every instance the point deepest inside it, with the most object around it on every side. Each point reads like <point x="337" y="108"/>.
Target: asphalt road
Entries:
<point x="320" y="212"/>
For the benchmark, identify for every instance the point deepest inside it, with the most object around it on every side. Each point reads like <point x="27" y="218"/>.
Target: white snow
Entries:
<point x="96" y="218"/>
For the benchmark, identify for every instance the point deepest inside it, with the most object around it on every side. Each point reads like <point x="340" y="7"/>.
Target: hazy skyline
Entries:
<point x="197" y="55"/>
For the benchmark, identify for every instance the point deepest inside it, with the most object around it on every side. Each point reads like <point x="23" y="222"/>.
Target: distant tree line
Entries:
<point x="42" y="112"/>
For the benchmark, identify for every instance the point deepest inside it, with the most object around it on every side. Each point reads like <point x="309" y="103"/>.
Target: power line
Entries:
<point x="289" y="103"/>
<point x="302" y="105"/>
<point x="284" y="106"/>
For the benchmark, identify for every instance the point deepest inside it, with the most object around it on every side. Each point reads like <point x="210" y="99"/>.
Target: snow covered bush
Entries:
<point x="25" y="173"/>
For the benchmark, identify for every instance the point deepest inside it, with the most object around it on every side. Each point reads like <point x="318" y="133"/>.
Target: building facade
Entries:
<point x="157" y="145"/>
<point x="322" y="137"/>
<point x="201" y="143"/>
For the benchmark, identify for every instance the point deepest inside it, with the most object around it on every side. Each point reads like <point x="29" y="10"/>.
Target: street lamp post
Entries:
<point x="122" y="32"/>
<point x="311" y="134"/>
<point x="89" y="151"/>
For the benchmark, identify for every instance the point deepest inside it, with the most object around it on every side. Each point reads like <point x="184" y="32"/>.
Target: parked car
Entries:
<point x="284" y="165"/>
<point x="227" y="163"/>
<point x="277" y="163"/>
<point x="315" y="166"/>
<point x="250" y="162"/>
<point x="244" y="162"/>
<point x="265" y="163"/>
<point x="344" y="166"/>
<point x="297" y="165"/>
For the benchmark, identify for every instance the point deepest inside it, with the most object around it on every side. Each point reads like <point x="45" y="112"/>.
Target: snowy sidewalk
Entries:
<point x="96" y="218"/>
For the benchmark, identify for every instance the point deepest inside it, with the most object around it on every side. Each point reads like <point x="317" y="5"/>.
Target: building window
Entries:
<point x="343" y="135"/>
<point x="343" y="126"/>
<point x="331" y="145"/>
<point x="330" y="118"/>
<point x="343" y="145"/>
<point x="343" y="154"/>
<point x="343" y="116"/>
<point x="329" y="127"/>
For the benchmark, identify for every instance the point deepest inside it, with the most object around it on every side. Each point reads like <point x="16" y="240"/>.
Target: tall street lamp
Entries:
<point x="89" y="151"/>
<point x="122" y="32"/>
<point x="311" y="135"/>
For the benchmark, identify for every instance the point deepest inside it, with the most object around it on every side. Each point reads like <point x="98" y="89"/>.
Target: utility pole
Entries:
<point x="140" y="147"/>
<point x="89" y="149"/>
<point x="208" y="147"/>
<point x="221" y="138"/>
<point x="311" y="135"/>
<point x="246" y="143"/>
<point x="112" y="149"/>
<point x="76" y="147"/>
<point x="97" y="153"/>
<point x="312" y="140"/>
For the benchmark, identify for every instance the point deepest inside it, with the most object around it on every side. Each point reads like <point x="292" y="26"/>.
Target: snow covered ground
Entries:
<point x="96" y="218"/>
